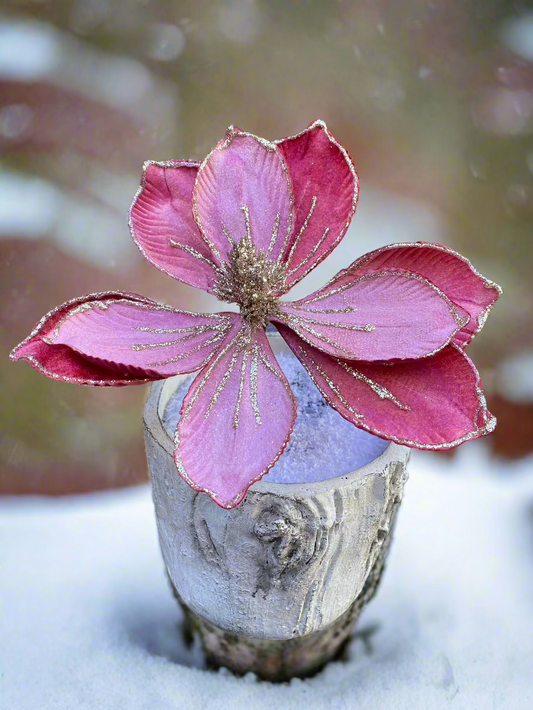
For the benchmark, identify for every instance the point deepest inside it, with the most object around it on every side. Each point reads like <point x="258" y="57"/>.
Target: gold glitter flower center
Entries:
<point x="253" y="281"/>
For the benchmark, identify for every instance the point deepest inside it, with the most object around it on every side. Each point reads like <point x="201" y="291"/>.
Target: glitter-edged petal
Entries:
<point x="114" y="338"/>
<point x="163" y="227"/>
<point x="243" y="187"/>
<point x="434" y="403"/>
<point x="236" y="419"/>
<point x="384" y="315"/>
<point x="326" y="188"/>
<point x="451" y="272"/>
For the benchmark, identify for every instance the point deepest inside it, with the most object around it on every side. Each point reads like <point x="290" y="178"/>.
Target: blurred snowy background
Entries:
<point x="432" y="98"/>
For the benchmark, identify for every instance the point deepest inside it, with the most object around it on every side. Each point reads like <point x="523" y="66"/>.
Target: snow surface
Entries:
<point x="87" y="619"/>
<point x="322" y="445"/>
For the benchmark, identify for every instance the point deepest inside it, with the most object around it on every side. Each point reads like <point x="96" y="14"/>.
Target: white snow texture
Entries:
<point x="322" y="445"/>
<point x="87" y="619"/>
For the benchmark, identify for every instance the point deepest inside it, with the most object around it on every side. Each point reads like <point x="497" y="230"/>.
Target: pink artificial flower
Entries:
<point x="383" y="341"/>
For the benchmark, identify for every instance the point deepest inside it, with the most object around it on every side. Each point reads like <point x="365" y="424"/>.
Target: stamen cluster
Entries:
<point x="253" y="281"/>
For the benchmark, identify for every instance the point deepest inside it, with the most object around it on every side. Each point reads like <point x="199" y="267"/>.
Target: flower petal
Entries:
<point x="435" y="403"/>
<point x="384" y="315"/>
<point x="236" y="419"/>
<point x="451" y="272"/>
<point x="114" y="338"/>
<point x="243" y="187"/>
<point x="163" y="227"/>
<point x="325" y="187"/>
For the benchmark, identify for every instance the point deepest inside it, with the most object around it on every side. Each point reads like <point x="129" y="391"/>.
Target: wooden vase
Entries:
<point x="275" y="585"/>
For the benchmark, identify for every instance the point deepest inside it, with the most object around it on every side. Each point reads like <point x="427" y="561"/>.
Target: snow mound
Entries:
<point x="87" y="619"/>
<point x="322" y="445"/>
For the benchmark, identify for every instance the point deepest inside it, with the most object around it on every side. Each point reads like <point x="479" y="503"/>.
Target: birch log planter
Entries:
<point x="275" y="585"/>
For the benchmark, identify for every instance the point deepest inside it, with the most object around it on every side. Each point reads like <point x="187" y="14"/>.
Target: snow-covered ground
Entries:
<point x="87" y="619"/>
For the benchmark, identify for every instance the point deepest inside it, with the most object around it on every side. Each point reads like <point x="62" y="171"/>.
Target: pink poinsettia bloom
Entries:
<point x="383" y="341"/>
